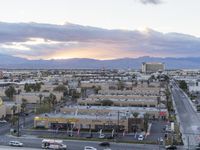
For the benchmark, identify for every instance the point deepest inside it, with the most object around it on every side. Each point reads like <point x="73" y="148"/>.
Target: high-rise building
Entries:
<point x="152" y="67"/>
<point x="1" y="74"/>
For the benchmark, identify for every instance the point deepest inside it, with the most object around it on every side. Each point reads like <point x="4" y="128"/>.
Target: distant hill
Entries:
<point x="12" y="62"/>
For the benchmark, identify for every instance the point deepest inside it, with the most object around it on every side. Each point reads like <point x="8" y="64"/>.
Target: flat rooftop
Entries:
<point x="116" y="108"/>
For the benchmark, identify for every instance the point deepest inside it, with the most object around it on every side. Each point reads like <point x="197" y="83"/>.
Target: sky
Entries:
<point x="99" y="29"/>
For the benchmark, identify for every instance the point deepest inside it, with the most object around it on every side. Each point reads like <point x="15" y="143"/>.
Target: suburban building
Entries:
<point x="2" y="109"/>
<point x="96" y="118"/>
<point x="152" y="67"/>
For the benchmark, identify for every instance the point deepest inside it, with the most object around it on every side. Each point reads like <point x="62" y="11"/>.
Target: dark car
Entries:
<point x="109" y="137"/>
<point x="172" y="147"/>
<point x="106" y="144"/>
<point x="89" y="136"/>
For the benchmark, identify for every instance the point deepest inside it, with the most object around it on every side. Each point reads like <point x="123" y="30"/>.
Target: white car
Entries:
<point x="89" y="148"/>
<point x="102" y="136"/>
<point x="107" y="149"/>
<point x="141" y="137"/>
<point x="15" y="143"/>
<point x="3" y="121"/>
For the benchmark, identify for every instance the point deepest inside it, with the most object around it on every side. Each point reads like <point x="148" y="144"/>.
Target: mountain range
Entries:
<point x="12" y="62"/>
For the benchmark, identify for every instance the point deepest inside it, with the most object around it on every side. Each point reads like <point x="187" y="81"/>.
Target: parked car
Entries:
<point x="106" y="144"/>
<point x="3" y="121"/>
<point x="102" y="136"/>
<point x="89" y="136"/>
<point x="161" y="140"/>
<point x="170" y="147"/>
<point x="15" y="143"/>
<point x="141" y="137"/>
<point x="110" y="137"/>
<point x="89" y="148"/>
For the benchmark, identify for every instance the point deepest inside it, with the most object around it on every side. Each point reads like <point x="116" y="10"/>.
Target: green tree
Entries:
<point x="135" y="114"/>
<point x="38" y="86"/>
<point x="23" y="105"/>
<point x="120" y="85"/>
<point x="13" y="120"/>
<point x="14" y="109"/>
<point x="74" y="94"/>
<point x="40" y="97"/>
<point x="169" y="102"/>
<point x="10" y="91"/>
<point x="183" y="85"/>
<point x="27" y="88"/>
<point x="83" y="92"/>
<point x="19" y="91"/>
<point x="146" y="121"/>
<point x="52" y="100"/>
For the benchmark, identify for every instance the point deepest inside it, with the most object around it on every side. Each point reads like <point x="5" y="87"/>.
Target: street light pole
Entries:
<point x="18" y="125"/>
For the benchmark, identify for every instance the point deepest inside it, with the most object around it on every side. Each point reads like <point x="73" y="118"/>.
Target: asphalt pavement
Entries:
<point x="16" y="148"/>
<point x="33" y="142"/>
<point x="187" y="117"/>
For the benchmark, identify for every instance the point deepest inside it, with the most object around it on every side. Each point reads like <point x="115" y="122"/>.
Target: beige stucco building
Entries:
<point x="34" y="97"/>
<point x="2" y="109"/>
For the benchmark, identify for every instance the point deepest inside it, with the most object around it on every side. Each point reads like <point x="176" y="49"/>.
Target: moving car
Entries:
<point x="15" y="143"/>
<point x="197" y="147"/>
<point x="89" y="148"/>
<point x="106" y="144"/>
<point x="141" y="137"/>
<point x="53" y="144"/>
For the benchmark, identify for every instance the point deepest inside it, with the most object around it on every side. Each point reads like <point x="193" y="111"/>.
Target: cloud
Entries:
<point x="151" y="1"/>
<point x="46" y="41"/>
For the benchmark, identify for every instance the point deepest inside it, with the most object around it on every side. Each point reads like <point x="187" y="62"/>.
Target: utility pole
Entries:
<point x="18" y="125"/>
<point x="117" y="122"/>
<point x="24" y="118"/>
<point x="188" y="141"/>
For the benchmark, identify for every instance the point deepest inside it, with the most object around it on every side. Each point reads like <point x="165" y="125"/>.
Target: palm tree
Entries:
<point x="23" y="105"/>
<point x="13" y="119"/>
<point x="120" y="85"/>
<point x="135" y="114"/>
<point x="40" y="97"/>
<point x="14" y="108"/>
<point x="23" y="108"/>
<point x="52" y="100"/>
<point x="146" y="121"/>
<point x="10" y="91"/>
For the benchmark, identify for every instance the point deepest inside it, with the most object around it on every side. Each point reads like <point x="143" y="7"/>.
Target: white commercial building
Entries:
<point x="152" y="67"/>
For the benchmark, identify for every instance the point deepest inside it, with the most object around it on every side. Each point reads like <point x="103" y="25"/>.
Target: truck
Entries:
<point x="53" y="144"/>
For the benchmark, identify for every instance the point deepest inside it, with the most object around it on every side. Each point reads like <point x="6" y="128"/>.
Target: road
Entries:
<point x="16" y="148"/>
<point x="5" y="127"/>
<point x="33" y="142"/>
<point x="187" y="116"/>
